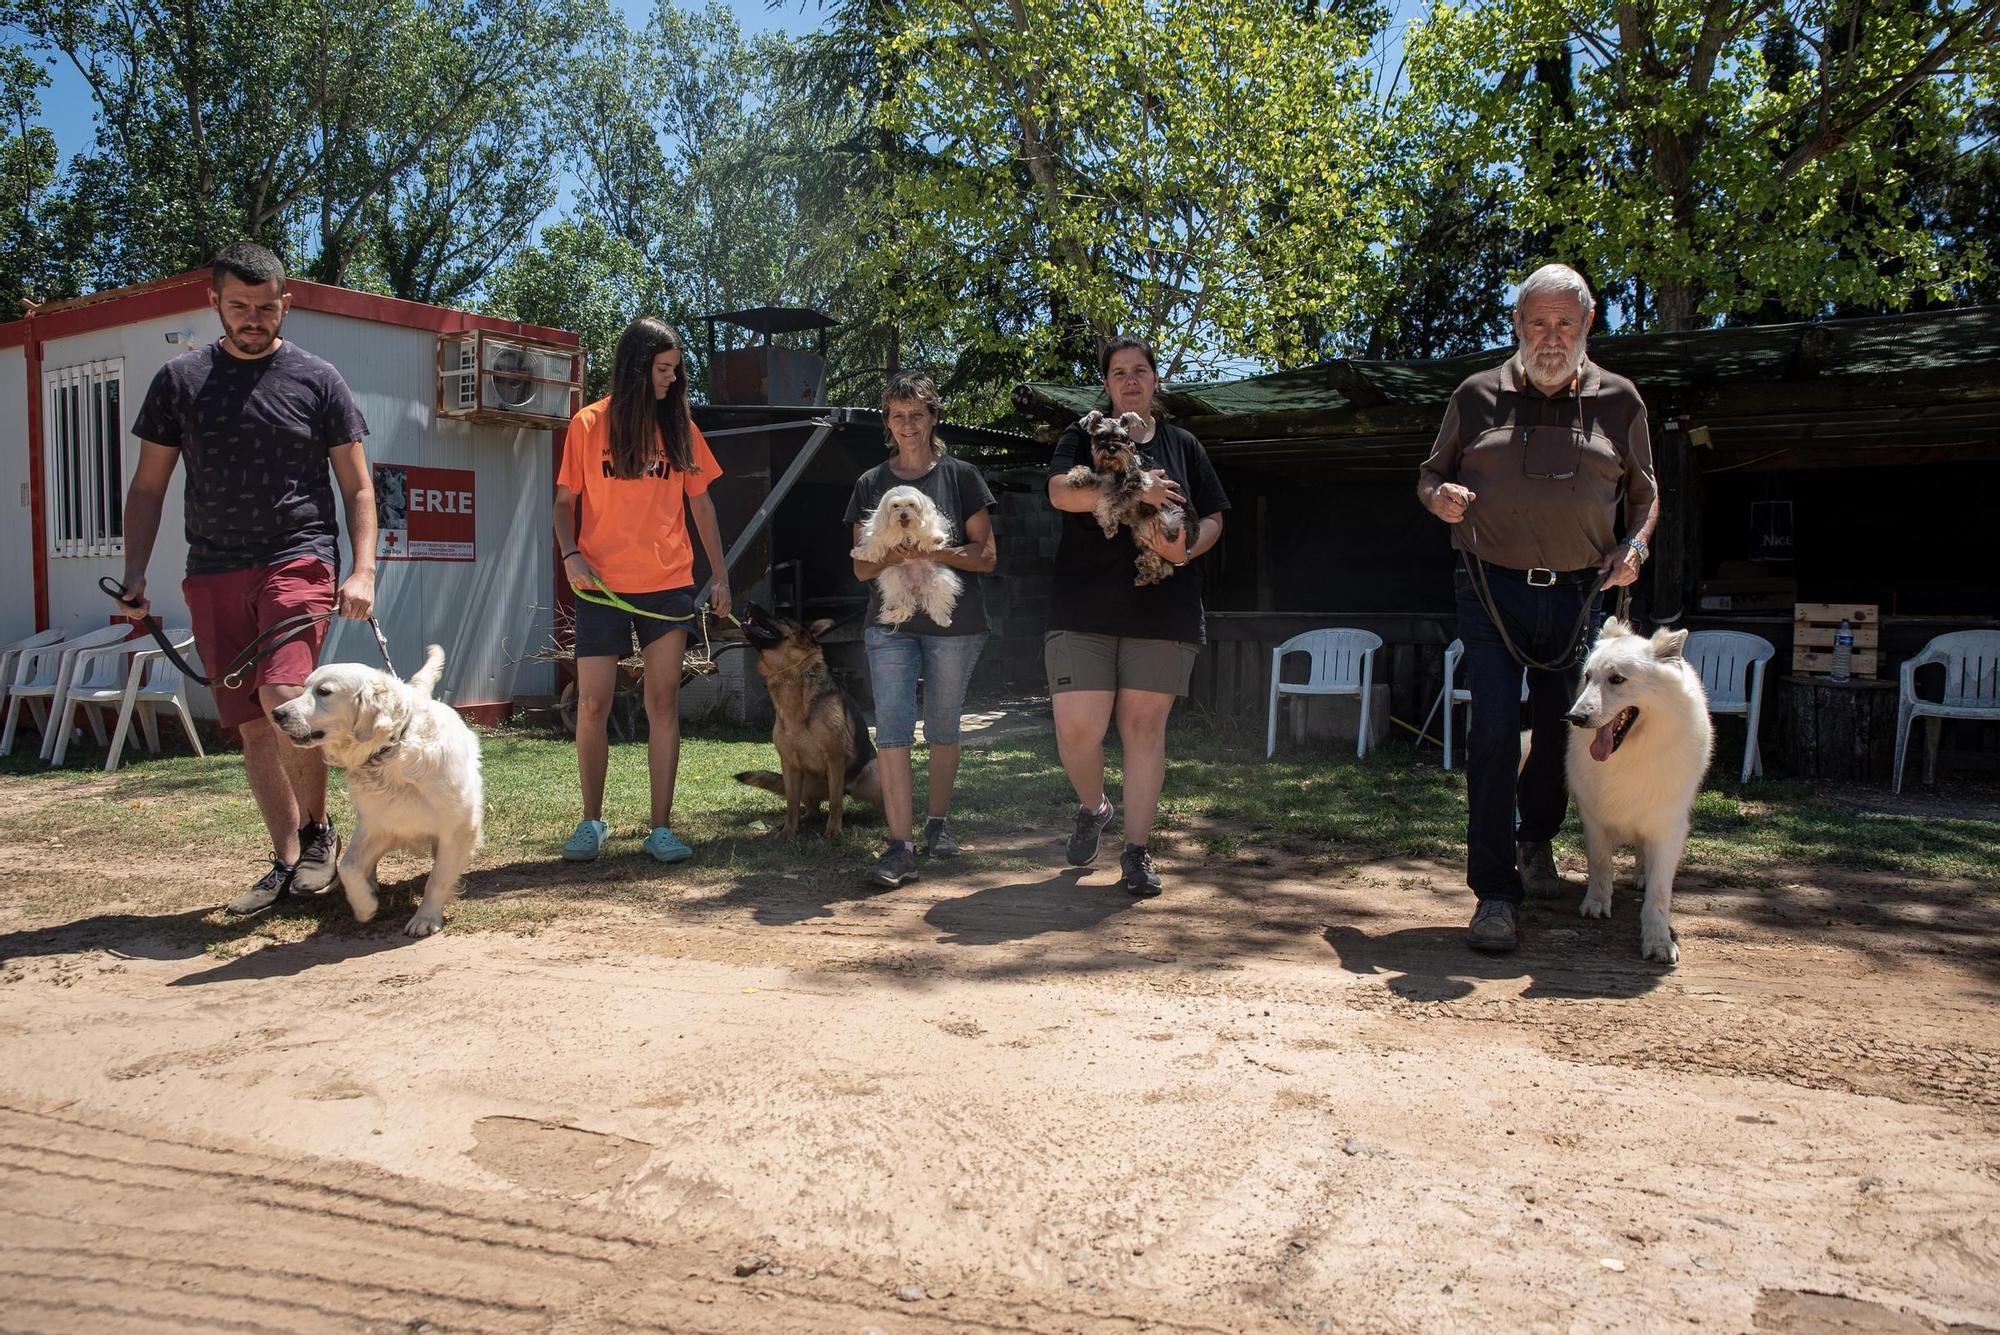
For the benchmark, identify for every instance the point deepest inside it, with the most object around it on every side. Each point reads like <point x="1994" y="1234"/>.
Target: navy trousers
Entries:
<point x="1540" y="621"/>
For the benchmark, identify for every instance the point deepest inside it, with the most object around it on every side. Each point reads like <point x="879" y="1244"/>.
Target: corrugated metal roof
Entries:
<point x="1864" y="366"/>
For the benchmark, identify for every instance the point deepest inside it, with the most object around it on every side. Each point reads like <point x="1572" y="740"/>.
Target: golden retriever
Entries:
<point x="412" y="770"/>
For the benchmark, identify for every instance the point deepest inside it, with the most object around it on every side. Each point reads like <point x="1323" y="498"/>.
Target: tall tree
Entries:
<point x="309" y="124"/>
<point x="1181" y="170"/>
<point x="689" y="146"/>
<point x="27" y="171"/>
<point x="1689" y="165"/>
<point x="579" y="276"/>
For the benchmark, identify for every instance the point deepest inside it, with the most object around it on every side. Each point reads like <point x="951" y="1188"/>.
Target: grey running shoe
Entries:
<point x="263" y="894"/>
<point x="1089" y="826"/>
<point x="1495" y="927"/>
<point x="897" y="864"/>
<point x="938" y="842"/>
<point x="1140" y="879"/>
<point x="319" y="857"/>
<point x="1537" y="864"/>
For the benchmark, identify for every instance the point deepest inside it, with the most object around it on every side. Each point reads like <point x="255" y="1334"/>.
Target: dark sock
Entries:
<point x="1135" y="848"/>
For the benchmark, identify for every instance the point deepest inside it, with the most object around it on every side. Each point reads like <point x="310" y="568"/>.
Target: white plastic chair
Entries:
<point x="104" y="678"/>
<point x="1461" y="695"/>
<point x="1971" y="660"/>
<point x="10" y="655"/>
<point x="1722" y="658"/>
<point x="1343" y="663"/>
<point x="43" y="675"/>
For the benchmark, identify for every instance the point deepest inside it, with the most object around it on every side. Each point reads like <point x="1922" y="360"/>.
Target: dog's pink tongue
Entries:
<point x="1600" y="745"/>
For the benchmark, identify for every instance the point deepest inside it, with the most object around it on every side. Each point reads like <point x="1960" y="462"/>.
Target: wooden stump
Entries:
<point x="1835" y="731"/>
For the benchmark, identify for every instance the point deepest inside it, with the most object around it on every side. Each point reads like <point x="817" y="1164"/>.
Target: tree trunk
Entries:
<point x="1674" y="303"/>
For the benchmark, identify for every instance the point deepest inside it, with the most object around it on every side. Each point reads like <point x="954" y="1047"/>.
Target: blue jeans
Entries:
<point x="945" y="662"/>
<point x="1540" y="621"/>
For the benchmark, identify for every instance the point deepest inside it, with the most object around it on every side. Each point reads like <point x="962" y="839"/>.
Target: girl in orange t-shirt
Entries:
<point x="634" y="468"/>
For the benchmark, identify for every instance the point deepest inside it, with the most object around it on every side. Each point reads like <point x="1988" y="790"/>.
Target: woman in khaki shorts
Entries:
<point x="1116" y="650"/>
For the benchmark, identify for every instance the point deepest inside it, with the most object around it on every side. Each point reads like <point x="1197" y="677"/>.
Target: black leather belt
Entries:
<point x="1542" y="578"/>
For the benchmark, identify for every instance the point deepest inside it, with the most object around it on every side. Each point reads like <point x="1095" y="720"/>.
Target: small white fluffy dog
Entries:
<point x="908" y="517"/>
<point x="412" y="769"/>
<point x="1637" y="753"/>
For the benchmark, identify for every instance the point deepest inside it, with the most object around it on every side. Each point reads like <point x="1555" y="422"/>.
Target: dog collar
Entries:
<point x="395" y="744"/>
<point x="789" y="668"/>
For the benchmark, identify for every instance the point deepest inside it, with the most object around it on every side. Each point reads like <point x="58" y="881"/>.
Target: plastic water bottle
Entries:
<point x="1843" y="652"/>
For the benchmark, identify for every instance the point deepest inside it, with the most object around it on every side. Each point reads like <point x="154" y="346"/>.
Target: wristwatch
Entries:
<point x="1639" y="545"/>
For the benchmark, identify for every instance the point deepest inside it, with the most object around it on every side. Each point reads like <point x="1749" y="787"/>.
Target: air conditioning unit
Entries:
<point x="507" y="379"/>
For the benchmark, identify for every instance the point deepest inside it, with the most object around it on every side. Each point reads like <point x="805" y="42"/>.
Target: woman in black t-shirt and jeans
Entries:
<point x="942" y="656"/>
<point x="1116" y="649"/>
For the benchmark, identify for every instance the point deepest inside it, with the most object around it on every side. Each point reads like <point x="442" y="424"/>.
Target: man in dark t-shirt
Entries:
<point x="258" y="420"/>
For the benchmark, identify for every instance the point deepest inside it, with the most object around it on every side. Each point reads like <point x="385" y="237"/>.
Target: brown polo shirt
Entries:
<point x="1511" y="444"/>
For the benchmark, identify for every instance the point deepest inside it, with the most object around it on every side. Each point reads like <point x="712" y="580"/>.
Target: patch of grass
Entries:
<point x="1395" y="804"/>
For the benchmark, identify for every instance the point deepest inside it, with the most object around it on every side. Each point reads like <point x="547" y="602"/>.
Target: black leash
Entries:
<point x="1475" y="570"/>
<point x="263" y="646"/>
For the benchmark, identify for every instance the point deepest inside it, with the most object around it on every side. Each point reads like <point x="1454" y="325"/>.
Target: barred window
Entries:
<point x="83" y="430"/>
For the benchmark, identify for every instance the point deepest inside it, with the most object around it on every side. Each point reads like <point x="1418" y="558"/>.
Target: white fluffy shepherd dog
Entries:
<point x="1637" y="754"/>
<point x="907" y="517"/>
<point x="412" y="770"/>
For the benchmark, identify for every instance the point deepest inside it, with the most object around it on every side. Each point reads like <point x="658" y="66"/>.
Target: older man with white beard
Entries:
<point x="1533" y="465"/>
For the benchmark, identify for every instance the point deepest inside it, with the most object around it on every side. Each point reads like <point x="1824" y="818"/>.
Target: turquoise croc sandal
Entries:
<point x="583" y="845"/>
<point x="664" y="847"/>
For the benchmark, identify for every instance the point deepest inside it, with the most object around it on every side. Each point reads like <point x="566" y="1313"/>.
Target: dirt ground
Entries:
<point x="1281" y="1097"/>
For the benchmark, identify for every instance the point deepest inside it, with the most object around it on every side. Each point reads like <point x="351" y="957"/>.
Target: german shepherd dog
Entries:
<point x="821" y="738"/>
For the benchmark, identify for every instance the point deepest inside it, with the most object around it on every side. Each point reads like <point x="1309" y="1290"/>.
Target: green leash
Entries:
<point x="610" y="599"/>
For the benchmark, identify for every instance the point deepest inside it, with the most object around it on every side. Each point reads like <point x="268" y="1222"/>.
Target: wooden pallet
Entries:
<point x="1814" y="626"/>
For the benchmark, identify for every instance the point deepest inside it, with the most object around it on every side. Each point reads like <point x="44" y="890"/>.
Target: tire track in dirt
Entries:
<point x="110" y="1230"/>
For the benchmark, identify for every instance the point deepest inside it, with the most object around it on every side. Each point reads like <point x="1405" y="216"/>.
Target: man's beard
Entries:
<point x="253" y="343"/>
<point x="1555" y="368"/>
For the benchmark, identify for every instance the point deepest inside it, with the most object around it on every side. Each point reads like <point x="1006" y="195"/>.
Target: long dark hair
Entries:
<point x="635" y="413"/>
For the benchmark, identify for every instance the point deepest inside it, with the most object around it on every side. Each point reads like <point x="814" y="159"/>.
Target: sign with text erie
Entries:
<point x="423" y="514"/>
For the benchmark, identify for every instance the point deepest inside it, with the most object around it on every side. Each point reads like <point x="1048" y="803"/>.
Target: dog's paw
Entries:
<point x="363" y="899"/>
<point x="859" y="554"/>
<point x="1596" y="903"/>
<point x="942" y="618"/>
<point x="1655" y="944"/>
<point x="1080" y="476"/>
<point x="423" y="922"/>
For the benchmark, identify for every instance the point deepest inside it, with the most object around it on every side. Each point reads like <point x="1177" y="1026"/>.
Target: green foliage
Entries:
<point x="578" y="276"/>
<point x="1187" y="172"/>
<point x="321" y="129"/>
<point x="693" y="149"/>
<point x="1709" y="154"/>
<point x="988" y="188"/>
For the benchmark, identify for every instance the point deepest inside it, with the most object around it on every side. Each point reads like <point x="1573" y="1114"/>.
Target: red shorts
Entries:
<point x="231" y="609"/>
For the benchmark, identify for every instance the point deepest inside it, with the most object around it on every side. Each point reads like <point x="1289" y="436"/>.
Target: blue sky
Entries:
<point x="66" y="107"/>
